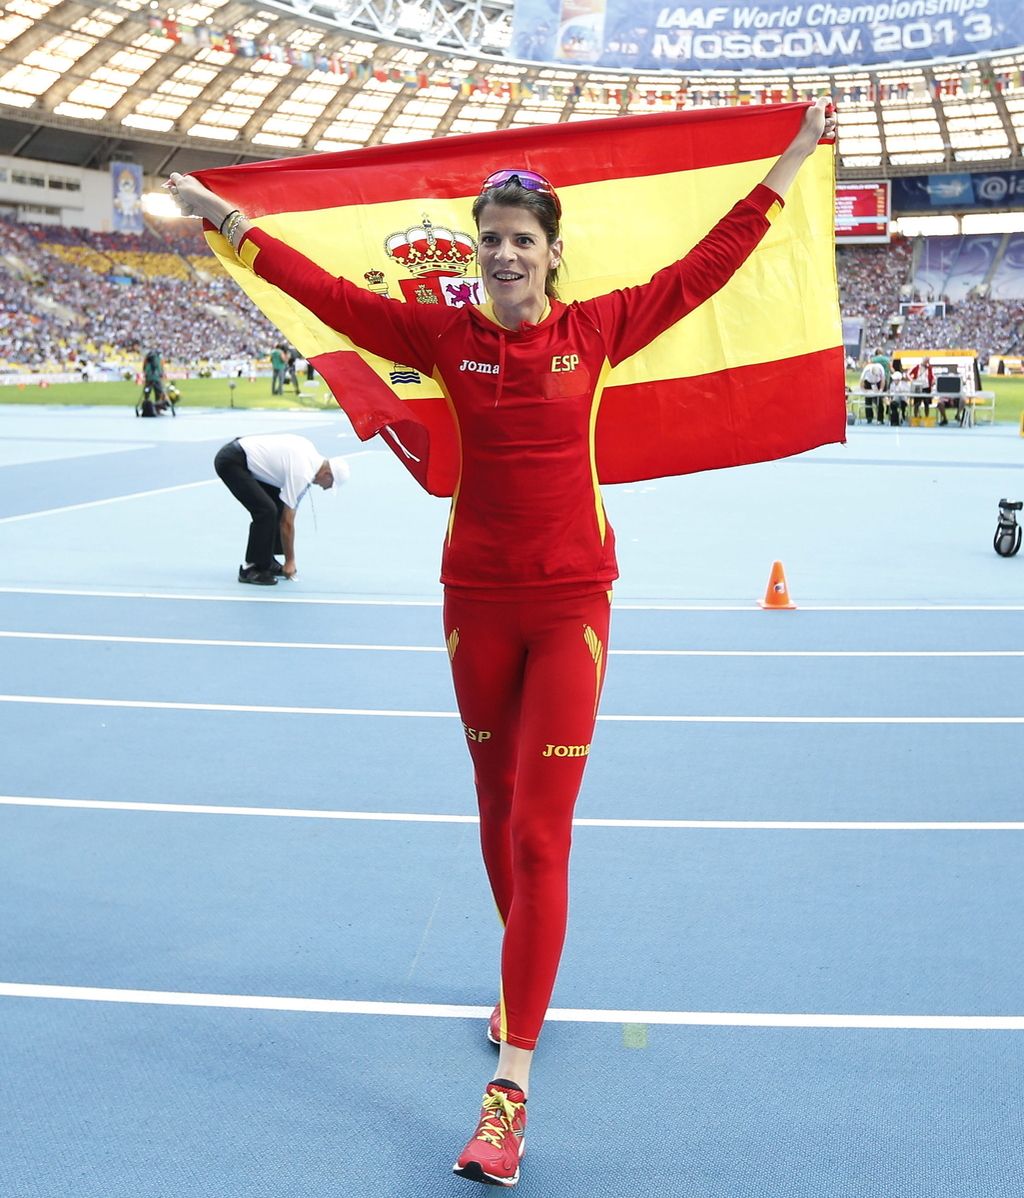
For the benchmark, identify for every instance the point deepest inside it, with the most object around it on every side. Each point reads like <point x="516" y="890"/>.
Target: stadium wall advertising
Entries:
<point x="762" y="35"/>
<point x="979" y="191"/>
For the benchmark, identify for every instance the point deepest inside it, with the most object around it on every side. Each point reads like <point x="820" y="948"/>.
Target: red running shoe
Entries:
<point x="494" y="1025"/>
<point x="492" y="1155"/>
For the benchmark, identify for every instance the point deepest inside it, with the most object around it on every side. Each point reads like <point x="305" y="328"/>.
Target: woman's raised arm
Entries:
<point x="819" y="121"/>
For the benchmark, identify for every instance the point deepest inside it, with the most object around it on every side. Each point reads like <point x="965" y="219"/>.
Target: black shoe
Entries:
<point x="277" y="568"/>
<point x="258" y="577"/>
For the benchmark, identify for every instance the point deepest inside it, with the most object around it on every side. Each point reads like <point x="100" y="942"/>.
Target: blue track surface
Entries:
<point x="900" y="675"/>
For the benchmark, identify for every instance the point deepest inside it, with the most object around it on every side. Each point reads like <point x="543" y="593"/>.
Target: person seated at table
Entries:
<point x="872" y="379"/>
<point x="922" y="384"/>
<point x="899" y="388"/>
<point x="952" y="399"/>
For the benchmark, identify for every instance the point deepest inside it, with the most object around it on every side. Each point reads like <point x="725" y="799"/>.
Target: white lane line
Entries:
<point x="243" y="707"/>
<point x="342" y="646"/>
<point x="682" y="608"/>
<point x="812" y="719"/>
<point x="77" y="507"/>
<point x="329" y="1006"/>
<point x="209" y="809"/>
<point x="158" y="705"/>
<point x="414" y="817"/>
<point x="872" y="653"/>
<point x="204" y="642"/>
<point x="247" y="597"/>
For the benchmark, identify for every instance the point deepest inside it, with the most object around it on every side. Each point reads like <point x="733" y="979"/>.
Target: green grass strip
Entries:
<point x="199" y="393"/>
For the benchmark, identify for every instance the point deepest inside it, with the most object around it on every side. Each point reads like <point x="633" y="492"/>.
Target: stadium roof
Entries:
<point x="221" y="81"/>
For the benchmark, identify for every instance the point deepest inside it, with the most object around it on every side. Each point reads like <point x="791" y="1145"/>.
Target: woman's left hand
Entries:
<point x="828" y="132"/>
<point x="819" y="124"/>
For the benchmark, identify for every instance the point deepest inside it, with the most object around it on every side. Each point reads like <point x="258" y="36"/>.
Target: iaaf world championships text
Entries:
<point x="757" y="17"/>
<point x="821" y="32"/>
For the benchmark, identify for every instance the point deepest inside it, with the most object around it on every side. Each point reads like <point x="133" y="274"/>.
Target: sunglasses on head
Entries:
<point x="529" y="180"/>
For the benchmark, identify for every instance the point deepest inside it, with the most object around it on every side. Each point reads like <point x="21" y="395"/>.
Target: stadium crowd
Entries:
<point x="870" y="279"/>
<point x="69" y="296"/>
<point x="986" y="325"/>
<point x="874" y="278"/>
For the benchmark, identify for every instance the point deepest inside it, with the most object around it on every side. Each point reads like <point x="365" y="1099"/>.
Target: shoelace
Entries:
<point x="499" y="1111"/>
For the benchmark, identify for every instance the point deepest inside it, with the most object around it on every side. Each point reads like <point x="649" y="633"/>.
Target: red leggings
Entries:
<point x="528" y="675"/>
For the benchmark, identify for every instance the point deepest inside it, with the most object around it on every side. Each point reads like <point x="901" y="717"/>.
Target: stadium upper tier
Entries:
<point x="229" y="80"/>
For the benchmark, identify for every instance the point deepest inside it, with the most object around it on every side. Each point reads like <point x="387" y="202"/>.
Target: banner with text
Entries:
<point x="765" y="35"/>
<point x="980" y="191"/>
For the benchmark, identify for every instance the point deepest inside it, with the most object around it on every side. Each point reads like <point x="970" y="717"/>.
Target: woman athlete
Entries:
<point x="529" y="557"/>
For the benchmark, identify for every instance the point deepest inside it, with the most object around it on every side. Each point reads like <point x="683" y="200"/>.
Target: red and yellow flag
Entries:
<point x="755" y="374"/>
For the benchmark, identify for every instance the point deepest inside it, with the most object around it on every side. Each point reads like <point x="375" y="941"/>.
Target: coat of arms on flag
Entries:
<point x="439" y="261"/>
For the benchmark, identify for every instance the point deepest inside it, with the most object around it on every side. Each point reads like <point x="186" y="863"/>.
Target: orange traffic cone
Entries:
<point x="777" y="594"/>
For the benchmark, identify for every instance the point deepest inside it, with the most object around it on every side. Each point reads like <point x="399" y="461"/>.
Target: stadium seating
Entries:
<point x="68" y="296"/>
<point x="870" y="279"/>
<point x="874" y="278"/>
<point x="1008" y="280"/>
<point x="950" y="268"/>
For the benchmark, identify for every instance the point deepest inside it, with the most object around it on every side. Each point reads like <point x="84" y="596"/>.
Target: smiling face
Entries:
<point x="515" y="258"/>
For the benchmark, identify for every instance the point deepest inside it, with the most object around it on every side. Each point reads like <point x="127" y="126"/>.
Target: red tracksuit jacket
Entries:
<point x="527" y="511"/>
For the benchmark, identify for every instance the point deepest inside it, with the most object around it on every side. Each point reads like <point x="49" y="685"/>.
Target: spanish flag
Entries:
<point x="756" y="373"/>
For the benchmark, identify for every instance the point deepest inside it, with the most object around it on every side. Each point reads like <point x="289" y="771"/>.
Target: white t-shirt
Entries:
<point x="873" y="373"/>
<point x="283" y="460"/>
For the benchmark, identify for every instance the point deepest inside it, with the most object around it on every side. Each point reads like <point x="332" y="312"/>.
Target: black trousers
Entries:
<point x="943" y="404"/>
<point x="261" y="500"/>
